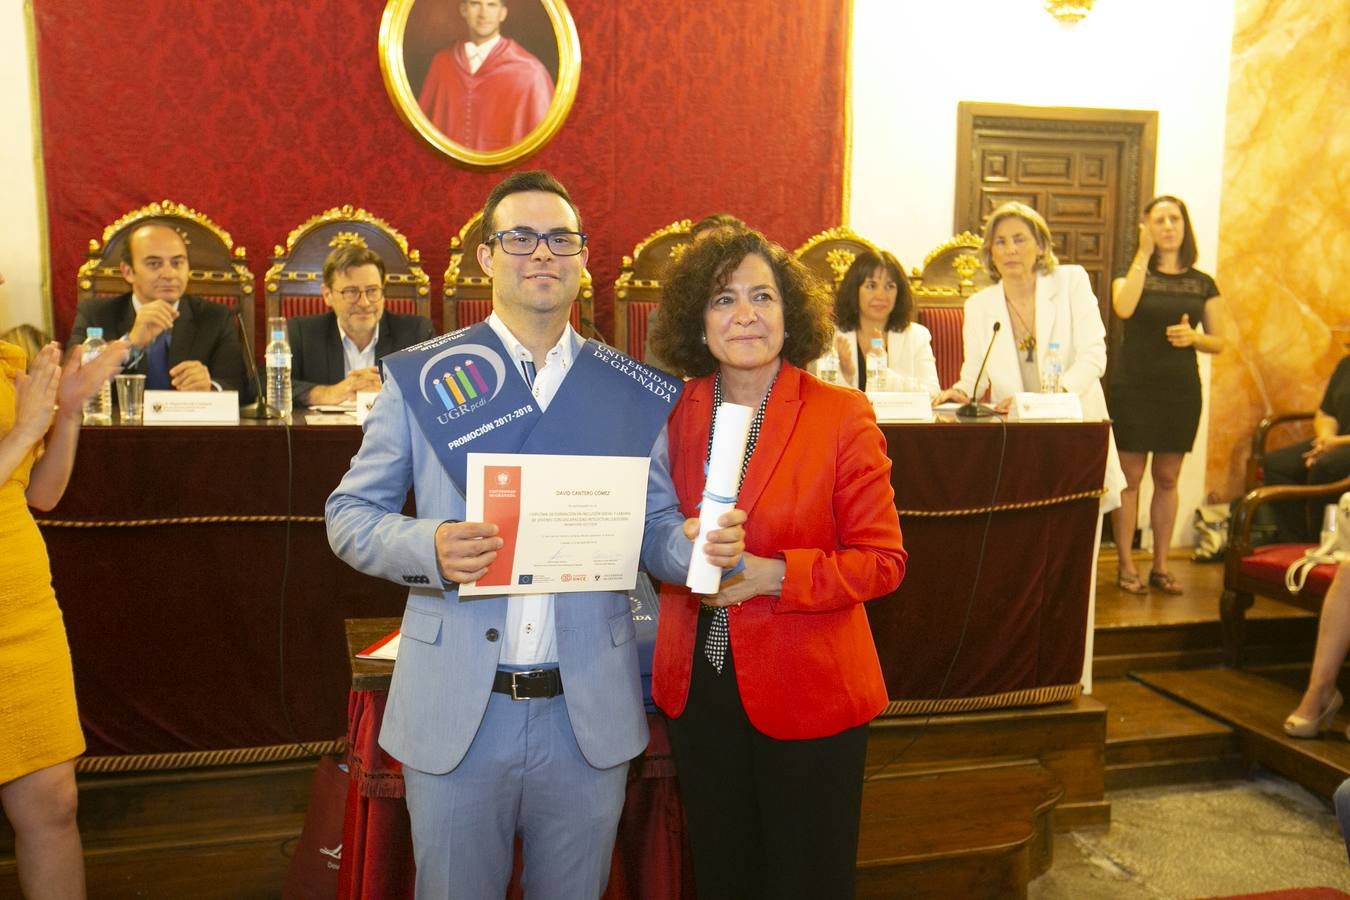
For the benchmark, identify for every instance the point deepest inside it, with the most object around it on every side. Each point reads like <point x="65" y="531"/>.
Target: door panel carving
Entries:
<point x="1087" y="171"/>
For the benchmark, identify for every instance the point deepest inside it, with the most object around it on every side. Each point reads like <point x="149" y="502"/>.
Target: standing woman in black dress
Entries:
<point x="1155" y="388"/>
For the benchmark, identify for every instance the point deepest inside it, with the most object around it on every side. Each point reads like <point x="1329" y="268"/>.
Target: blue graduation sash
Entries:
<point x="464" y="393"/>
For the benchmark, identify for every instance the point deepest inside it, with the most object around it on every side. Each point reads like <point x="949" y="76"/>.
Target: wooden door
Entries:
<point x="1087" y="171"/>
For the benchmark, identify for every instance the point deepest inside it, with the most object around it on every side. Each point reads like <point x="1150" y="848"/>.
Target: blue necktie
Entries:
<point x="157" y="364"/>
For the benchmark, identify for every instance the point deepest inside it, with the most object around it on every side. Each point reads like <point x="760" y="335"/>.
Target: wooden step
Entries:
<point x="224" y="831"/>
<point x="977" y="833"/>
<point x="1152" y="739"/>
<point x="1255" y="706"/>
<point x="960" y="834"/>
<point x="1159" y="632"/>
<point x="1066" y="738"/>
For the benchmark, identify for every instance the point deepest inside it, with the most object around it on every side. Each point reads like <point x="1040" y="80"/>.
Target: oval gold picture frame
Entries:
<point x="393" y="25"/>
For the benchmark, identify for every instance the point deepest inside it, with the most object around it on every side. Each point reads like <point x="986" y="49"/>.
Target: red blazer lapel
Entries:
<point x="689" y="442"/>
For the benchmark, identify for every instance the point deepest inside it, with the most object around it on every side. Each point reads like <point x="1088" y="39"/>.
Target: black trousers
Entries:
<point x="767" y="818"/>
<point x="1301" y="521"/>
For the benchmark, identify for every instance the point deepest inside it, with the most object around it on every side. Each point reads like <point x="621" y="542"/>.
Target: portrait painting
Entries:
<point x="487" y="82"/>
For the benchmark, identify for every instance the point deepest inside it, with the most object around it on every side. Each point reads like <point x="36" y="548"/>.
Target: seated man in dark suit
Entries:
<point x="333" y="355"/>
<point x="178" y="341"/>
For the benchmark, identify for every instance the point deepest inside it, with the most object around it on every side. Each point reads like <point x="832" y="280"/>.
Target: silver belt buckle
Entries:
<point x="515" y="685"/>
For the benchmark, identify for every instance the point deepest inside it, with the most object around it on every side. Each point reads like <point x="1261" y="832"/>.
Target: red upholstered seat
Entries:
<point x="638" y="314"/>
<point x="1269" y="563"/>
<point x="945" y="324"/>
<point x="470" y="312"/>
<point x="293" y="306"/>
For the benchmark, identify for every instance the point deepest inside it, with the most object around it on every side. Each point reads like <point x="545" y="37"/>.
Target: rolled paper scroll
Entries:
<point x="731" y="429"/>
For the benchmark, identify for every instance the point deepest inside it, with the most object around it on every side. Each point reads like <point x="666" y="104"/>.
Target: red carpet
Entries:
<point x="1311" y="893"/>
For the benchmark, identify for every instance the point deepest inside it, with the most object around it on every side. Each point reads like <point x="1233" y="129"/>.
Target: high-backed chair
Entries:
<point x="294" y="283"/>
<point x="467" y="293"/>
<point x="219" y="270"/>
<point x="830" y="253"/>
<point x="637" y="292"/>
<point x="1251" y="571"/>
<point x="951" y="272"/>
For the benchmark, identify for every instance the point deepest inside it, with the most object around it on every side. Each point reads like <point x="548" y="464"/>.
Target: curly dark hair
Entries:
<point x="703" y="270"/>
<point x="846" y="299"/>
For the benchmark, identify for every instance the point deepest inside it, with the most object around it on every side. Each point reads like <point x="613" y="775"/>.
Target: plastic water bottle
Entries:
<point x="278" y="357"/>
<point x="827" y="367"/>
<point x="1052" y="370"/>
<point x="876" y="366"/>
<point x="98" y="408"/>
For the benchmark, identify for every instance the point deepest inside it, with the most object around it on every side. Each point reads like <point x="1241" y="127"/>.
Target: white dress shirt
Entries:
<point x="479" y="52"/>
<point x="530" y="636"/>
<point x="353" y="358"/>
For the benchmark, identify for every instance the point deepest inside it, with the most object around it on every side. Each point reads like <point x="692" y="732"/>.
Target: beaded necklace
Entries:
<point x="1027" y="343"/>
<point x="754" y="425"/>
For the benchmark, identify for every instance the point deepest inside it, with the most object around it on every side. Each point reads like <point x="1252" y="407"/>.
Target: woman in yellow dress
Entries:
<point x="40" y="735"/>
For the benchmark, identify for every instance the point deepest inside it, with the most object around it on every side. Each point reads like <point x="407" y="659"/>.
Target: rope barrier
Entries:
<point x="178" y="520"/>
<point x="1004" y="507"/>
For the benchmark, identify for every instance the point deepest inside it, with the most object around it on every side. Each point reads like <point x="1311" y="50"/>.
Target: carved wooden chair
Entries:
<point x="951" y="272"/>
<point x="1251" y="571"/>
<point x="467" y="292"/>
<point x="637" y="292"/>
<point x="830" y="253"/>
<point x="219" y="270"/>
<point x="294" y="283"/>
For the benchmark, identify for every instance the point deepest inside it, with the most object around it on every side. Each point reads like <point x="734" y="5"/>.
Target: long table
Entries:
<point x="169" y="552"/>
<point x="168" y="556"/>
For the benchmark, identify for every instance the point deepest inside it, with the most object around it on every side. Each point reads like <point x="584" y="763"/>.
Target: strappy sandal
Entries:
<point x="1130" y="584"/>
<point x="1163" y="581"/>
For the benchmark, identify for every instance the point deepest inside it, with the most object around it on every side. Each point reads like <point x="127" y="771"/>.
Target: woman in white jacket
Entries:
<point x="874" y="300"/>
<point x="1036" y="302"/>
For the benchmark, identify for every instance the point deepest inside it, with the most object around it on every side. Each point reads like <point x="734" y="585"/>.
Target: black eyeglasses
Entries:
<point x="353" y="294"/>
<point x="522" y="241"/>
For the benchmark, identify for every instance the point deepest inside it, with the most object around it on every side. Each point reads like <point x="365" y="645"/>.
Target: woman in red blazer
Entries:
<point x="769" y="684"/>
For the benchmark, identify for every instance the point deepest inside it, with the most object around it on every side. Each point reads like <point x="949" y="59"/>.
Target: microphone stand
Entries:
<point x="258" y="409"/>
<point x="973" y="409"/>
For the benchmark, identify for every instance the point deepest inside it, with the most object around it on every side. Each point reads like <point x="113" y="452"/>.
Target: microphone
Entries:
<point x="258" y="409"/>
<point x="974" y="409"/>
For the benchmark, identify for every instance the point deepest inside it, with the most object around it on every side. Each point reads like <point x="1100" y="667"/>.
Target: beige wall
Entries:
<point x="24" y="297"/>
<point x="1285" y="219"/>
<point x="914" y="62"/>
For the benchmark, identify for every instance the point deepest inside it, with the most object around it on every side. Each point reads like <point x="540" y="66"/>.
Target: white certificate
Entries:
<point x="570" y="523"/>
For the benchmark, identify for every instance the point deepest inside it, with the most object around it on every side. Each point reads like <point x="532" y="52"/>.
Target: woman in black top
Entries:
<point x="1323" y="459"/>
<point x="1155" y="388"/>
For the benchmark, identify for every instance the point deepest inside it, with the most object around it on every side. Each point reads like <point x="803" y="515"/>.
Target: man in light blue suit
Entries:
<point x="511" y="715"/>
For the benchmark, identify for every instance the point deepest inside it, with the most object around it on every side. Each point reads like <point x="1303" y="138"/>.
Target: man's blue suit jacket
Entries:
<point x="449" y="650"/>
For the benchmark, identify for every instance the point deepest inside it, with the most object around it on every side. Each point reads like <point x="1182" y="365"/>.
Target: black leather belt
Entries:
<point x="536" y="684"/>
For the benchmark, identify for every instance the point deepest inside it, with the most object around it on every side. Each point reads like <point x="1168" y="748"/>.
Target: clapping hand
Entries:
<point x="36" y="394"/>
<point x="848" y="360"/>
<point x="80" y="381"/>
